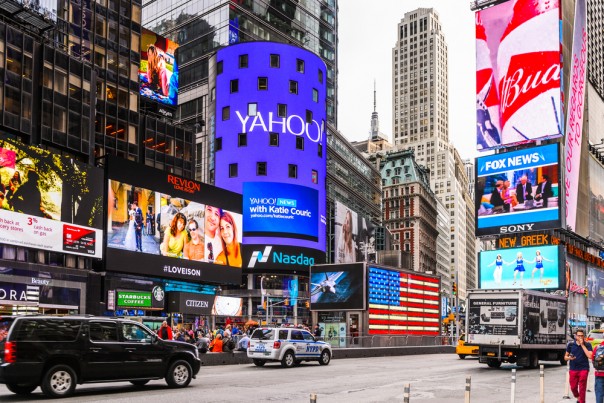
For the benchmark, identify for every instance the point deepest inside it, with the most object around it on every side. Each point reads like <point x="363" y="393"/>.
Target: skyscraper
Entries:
<point x="202" y="27"/>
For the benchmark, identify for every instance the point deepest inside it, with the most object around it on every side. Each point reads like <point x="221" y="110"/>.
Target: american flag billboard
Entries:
<point x="403" y="302"/>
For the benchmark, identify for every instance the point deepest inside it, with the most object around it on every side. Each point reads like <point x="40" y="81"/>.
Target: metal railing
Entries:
<point x="389" y="341"/>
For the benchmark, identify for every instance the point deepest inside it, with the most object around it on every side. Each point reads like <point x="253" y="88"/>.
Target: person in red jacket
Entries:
<point x="216" y="344"/>
<point x="164" y="332"/>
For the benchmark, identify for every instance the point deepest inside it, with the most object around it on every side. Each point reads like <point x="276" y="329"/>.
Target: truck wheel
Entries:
<point x="59" y="381"/>
<point x="179" y="374"/>
<point x="259" y="363"/>
<point x="494" y="363"/>
<point x="288" y="360"/>
<point x="21" y="389"/>
<point x="462" y="356"/>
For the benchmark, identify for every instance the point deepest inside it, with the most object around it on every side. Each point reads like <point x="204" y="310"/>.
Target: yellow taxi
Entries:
<point x="463" y="349"/>
<point x="595" y="337"/>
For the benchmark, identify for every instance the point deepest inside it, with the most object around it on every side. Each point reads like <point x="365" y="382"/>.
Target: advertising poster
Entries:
<point x="403" y="302"/>
<point x="158" y="72"/>
<point x="518" y="73"/>
<point x="493" y="317"/>
<point x="518" y="191"/>
<point x="544" y="320"/>
<point x="337" y="287"/>
<point x="596" y="200"/>
<point x="595" y="291"/>
<point x="168" y="226"/>
<point x="355" y="238"/>
<point x="538" y="267"/>
<point x="227" y="306"/>
<point x="280" y="210"/>
<point x="46" y="8"/>
<point x="49" y="202"/>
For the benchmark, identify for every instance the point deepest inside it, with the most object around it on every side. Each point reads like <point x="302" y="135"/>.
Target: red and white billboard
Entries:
<point x="518" y="73"/>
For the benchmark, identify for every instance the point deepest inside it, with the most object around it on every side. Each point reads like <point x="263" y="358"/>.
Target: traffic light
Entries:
<point x="585" y="292"/>
<point x="286" y="302"/>
<point x="307" y="304"/>
<point x="454" y="288"/>
<point x="264" y="304"/>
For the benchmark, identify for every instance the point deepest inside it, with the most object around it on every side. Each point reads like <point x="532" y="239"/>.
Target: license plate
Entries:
<point x="491" y="354"/>
<point x="260" y="347"/>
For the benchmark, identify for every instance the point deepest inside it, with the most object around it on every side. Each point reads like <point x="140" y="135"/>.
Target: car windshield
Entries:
<point x="263" y="334"/>
<point x="596" y="334"/>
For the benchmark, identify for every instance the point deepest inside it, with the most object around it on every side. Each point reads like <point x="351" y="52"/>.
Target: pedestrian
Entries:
<point x="317" y="331"/>
<point x="579" y="354"/>
<point x="216" y="344"/>
<point x="165" y="332"/>
<point x="243" y="343"/>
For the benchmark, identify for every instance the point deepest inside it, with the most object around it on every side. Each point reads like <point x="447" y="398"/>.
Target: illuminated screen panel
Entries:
<point x="595" y="291"/>
<point x="178" y="228"/>
<point x="518" y="191"/>
<point x="539" y="268"/>
<point x="518" y="73"/>
<point x="158" y="72"/>
<point x="403" y="303"/>
<point x="269" y="138"/>
<point x="49" y="202"/>
<point x="337" y="287"/>
<point x="355" y="236"/>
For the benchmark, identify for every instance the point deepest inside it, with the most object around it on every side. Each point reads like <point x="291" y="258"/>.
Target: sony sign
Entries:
<point x="293" y="124"/>
<point x="516" y="228"/>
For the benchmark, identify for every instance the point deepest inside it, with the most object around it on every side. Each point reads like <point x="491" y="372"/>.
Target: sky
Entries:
<point x="367" y="35"/>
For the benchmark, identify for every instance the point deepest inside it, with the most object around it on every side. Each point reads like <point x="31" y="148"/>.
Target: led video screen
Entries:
<point x="49" y="202"/>
<point x="518" y="73"/>
<point x="168" y="226"/>
<point x="355" y="239"/>
<point x="337" y="287"/>
<point x="595" y="291"/>
<point x="158" y="72"/>
<point x="518" y="191"/>
<point x="537" y="267"/>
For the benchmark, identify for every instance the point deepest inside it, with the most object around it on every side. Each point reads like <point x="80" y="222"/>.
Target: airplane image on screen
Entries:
<point x="328" y="285"/>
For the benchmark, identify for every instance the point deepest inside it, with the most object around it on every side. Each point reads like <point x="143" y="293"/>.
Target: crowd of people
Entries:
<point x="223" y="339"/>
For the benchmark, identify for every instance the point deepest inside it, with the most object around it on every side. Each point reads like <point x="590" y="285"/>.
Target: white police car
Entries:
<point x="290" y="346"/>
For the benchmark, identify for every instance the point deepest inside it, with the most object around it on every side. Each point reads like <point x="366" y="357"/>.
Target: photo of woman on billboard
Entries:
<point x="158" y="73"/>
<point x="194" y="248"/>
<point x="539" y="259"/>
<point x="175" y="237"/>
<point x="130" y="240"/>
<point x="231" y="248"/>
<point x="345" y="250"/>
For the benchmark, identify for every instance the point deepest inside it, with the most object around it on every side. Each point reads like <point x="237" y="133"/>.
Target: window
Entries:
<point x="300" y="143"/>
<point x="234" y="86"/>
<point x="315" y="95"/>
<point x="226" y="113"/>
<point x="297" y="335"/>
<point x="103" y="332"/>
<point x="219" y="67"/>
<point x="252" y="109"/>
<point x="218" y="144"/>
<point x="282" y="110"/>
<point x="232" y="170"/>
<point x="48" y="330"/>
<point x="262" y="83"/>
<point x="292" y="171"/>
<point x="273" y="139"/>
<point x="320" y="76"/>
<point x="242" y="140"/>
<point x="315" y="176"/>
<point x="243" y="61"/>
<point x="320" y="149"/>
<point x="135" y="333"/>
<point x="275" y="61"/>
<point x="293" y="87"/>
<point x="261" y="168"/>
<point x="308" y="116"/>
<point x="300" y="66"/>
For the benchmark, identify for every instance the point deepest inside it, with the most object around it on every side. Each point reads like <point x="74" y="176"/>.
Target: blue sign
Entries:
<point x="293" y="291"/>
<point x="537" y="267"/>
<point x="280" y="209"/>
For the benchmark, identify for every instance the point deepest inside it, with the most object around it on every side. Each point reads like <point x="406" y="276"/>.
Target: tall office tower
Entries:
<point x="595" y="51"/>
<point x="420" y="94"/>
<point x="201" y="27"/>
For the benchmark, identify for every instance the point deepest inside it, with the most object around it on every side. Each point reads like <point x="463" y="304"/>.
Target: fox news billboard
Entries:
<point x="518" y="73"/>
<point x="337" y="287"/>
<point x="158" y="72"/>
<point x="49" y="202"/>
<point x="537" y="267"/>
<point x="164" y="225"/>
<point x="518" y="191"/>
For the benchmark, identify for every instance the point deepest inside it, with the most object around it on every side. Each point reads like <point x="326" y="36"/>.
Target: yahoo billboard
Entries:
<point x="269" y="140"/>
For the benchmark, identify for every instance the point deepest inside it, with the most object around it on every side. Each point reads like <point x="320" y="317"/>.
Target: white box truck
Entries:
<point x="517" y="326"/>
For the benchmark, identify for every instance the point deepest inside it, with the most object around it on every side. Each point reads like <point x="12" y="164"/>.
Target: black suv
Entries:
<point x="56" y="353"/>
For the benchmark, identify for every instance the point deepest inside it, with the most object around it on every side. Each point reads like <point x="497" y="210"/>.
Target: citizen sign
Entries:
<point x="293" y="124"/>
<point x="196" y="303"/>
<point x="516" y="228"/>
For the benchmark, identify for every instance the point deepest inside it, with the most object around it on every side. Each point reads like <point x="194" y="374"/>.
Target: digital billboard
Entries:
<point x="158" y="72"/>
<point x="49" y="202"/>
<point x="355" y="239"/>
<point x="596" y="200"/>
<point x="268" y="134"/>
<point x="595" y="291"/>
<point x="537" y="267"/>
<point x="280" y="210"/>
<point x="403" y="302"/>
<point x="518" y="191"/>
<point x="337" y="287"/>
<point x="163" y="225"/>
<point x="46" y="8"/>
<point x="518" y="73"/>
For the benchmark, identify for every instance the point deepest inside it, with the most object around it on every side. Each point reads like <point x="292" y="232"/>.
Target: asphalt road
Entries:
<point x="433" y="378"/>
